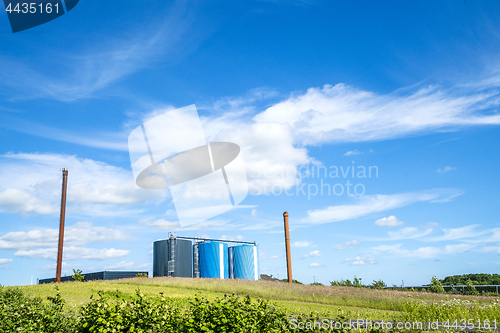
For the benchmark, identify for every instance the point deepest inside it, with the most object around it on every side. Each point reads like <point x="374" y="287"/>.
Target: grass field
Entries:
<point x="296" y="299"/>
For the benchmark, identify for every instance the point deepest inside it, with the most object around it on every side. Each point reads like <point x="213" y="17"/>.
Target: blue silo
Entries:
<point x="213" y="261"/>
<point x="244" y="262"/>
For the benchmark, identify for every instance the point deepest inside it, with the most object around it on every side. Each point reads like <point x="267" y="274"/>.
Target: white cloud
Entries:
<point x="263" y="256"/>
<point x="423" y="252"/>
<point x="229" y="237"/>
<point x="73" y="253"/>
<point x="271" y="159"/>
<point x="4" y="261"/>
<point x="353" y="152"/>
<point x="342" y="113"/>
<point x="312" y="254"/>
<point x="254" y="212"/>
<point x="408" y="233"/>
<point x="391" y="221"/>
<point x="376" y="203"/>
<point x="129" y="265"/>
<point x="431" y="225"/>
<point x="445" y="169"/>
<point x="301" y="244"/>
<point x="164" y="224"/>
<point x="346" y="245"/>
<point x="51" y="267"/>
<point x="458" y="248"/>
<point x="358" y="261"/>
<point x="22" y="202"/>
<point x="459" y="233"/>
<point x="32" y="185"/>
<point x="78" y="234"/>
<point x="315" y="265"/>
<point x="490" y="248"/>
<point x="99" y="64"/>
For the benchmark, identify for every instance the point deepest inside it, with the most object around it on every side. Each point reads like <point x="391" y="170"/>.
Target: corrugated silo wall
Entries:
<point x="160" y="258"/>
<point x="244" y="262"/>
<point x="213" y="261"/>
<point x="183" y="258"/>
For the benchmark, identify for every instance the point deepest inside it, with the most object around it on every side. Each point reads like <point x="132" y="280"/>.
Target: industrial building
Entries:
<point x="205" y="258"/>
<point x="103" y="275"/>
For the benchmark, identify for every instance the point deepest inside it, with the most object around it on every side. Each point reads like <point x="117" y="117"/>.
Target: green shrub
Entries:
<point x="77" y="275"/>
<point x="436" y="286"/>
<point x="378" y="284"/>
<point x="470" y="289"/>
<point x="19" y="312"/>
<point x="232" y="314"/>
<point x="347" y="283"/>
<point x="139" y="315"/>
<point x="142" y="275"/>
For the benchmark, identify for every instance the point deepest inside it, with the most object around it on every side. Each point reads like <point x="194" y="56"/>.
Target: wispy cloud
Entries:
<point x="4" y="261"/>
<point x="312" y="254"/>
<point x="75" y="235"/>
<point x="459" y="233"/>
<point x="315" y="265"/>
<point x="86" y="72"/>
<point x="301" y="244"/>
<point x="445" y="169"/>
<point x="391" y="221"/>
<point x="458" y="248"/>
<point x="358" y="261"/>
<point x="398" y="251"/>
<point x="346" y="245"/>
<point x="30" y="186"/>
<point x="73" y="253"/>
<point x="342" y="113"/>
<point x="408" y="233"/>
<point x="229" y="237"/>
<point x="130" y="265"/>
<point x="376" y="203"/>
<point x="353" y="152"/>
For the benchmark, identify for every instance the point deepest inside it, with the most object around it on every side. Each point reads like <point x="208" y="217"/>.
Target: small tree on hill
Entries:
<point x="77" y="275"/>
<point x="378" y="284"/>
<point x="436" y="286"/>
<point x="470" y="289"/>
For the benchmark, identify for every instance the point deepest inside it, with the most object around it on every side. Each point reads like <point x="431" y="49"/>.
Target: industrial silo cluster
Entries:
<point x="205" y="258"/>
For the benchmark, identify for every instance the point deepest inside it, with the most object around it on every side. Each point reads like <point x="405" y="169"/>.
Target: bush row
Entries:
<point x="113" y="313"/>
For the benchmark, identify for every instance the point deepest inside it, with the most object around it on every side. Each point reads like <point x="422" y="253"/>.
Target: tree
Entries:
<point x="378" y="284"/>
<point x="470" y="289"/>
<point x="142" y="275"/>
<point x="436" y="286"/>
<point x="77" y="276"/>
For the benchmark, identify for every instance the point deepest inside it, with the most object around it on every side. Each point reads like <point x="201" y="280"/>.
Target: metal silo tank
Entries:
<point x="245" y="262"/>
<point x="213" y="261"/>
<point x="160" y="258"/>
<point x="181" y="255"/>
<point x="173" y="257"/>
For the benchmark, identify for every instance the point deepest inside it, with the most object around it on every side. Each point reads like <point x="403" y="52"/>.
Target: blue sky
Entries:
<point x="409" y="89"/>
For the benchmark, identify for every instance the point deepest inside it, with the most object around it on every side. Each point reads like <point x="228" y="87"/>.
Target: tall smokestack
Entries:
<point x="287" y="248"/>
<point x="61" y="224"/>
